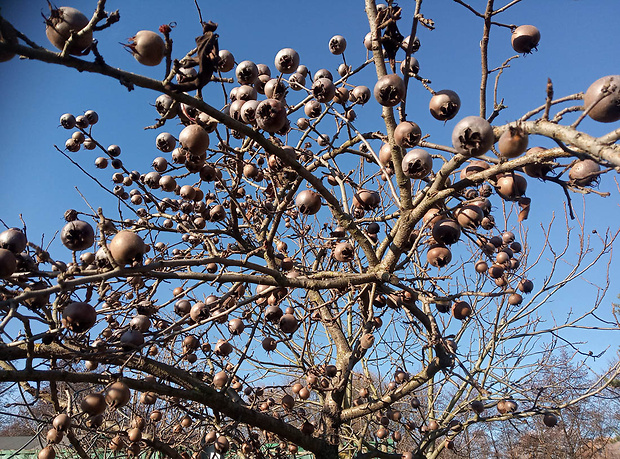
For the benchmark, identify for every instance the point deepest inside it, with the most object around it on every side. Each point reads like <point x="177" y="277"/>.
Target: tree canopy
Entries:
<point x="305" y="257"/>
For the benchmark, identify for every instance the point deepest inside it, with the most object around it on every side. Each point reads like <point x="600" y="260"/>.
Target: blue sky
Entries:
<point x="576" y="48"/>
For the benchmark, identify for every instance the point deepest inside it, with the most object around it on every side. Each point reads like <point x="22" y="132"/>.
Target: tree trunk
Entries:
<point x="331" y="418"/>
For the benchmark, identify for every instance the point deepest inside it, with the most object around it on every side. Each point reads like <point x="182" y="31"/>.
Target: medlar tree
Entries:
<point x="283" y="279"/>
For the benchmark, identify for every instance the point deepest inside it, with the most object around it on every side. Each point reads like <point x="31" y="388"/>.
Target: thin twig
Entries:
<point x="549" y="99"/>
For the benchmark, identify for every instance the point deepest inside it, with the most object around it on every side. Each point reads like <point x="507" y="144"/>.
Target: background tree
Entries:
<point x="274" y="284"/>
<point x="588" y="429"/>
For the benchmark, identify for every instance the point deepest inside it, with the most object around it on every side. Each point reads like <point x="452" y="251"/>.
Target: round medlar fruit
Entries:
<point x="473" y="136"/>
<point x="47" y="453"/>
<point x="93" y="404"/>
<point x="118" y="394"/>
<point x="550" y="419"/>
<point x="323" y="90"/>
<point x="131" y="339"/>
<point x="246" y="72"/>
<point x="444" y="105"/>
<point x="511" y="187"/>
<point x="344" y="252"/>
<point x="79" y="317"/>
<point x="507" y="406"/>
<point x="607" y="110"/>
<point x="288" y="323"/>
<point x="274" y="89"/>
<point x="415" y="46"/>
<point x="407" y="134"/>
<point x="473" y="168"/>
<point x="195" y="139"/>
<point x="62" y="23"/>
<point x="417" y="163"/>
<point x="513" y="142"/>
<point x="337" y="44"/>
<point x="469" y="216"/>
<point x="538" y="169"/>
<point x="359" y="94"/>
<point x="461" y="310"/>
<point x="147" y="47"/>
<point x="126" y="247"/>
<point x="525" y="38"/>
<point x="525" y="286"/>
<point x="446" y="231"/>
<point x="271" y="115"/>
<point x="584" y="172"/>
<point x="13" y="239"/>
<point x="308" y="202"/>
<point x="248" y="112"/>
<point x="439" y="256"/>
<point x="366" y="199"/>
<point x="410" y="69"/>
<point x="223" y="348"/>
<point x="226" y="61"/>
<point x="77" y="235"/>
<point x="165" y="142"/>
<point x="476" y="406"/>
<point x="269" y="344"/>
<point x="297" y="81"/>
<point x="287" y="60"/>
<point x="389" y="90"/>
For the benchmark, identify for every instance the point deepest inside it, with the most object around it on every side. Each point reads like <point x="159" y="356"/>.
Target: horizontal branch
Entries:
<point x="195" y="390"/>
<point x="594" y="148"/>
<point x="337" y="281"/>
<point x="384" y="402"/>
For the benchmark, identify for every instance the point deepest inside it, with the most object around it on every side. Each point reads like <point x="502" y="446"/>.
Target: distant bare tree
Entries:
<point x="584" y="429"/>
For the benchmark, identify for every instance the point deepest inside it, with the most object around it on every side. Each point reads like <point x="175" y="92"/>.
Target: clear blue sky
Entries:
<point x="577" y="47"/>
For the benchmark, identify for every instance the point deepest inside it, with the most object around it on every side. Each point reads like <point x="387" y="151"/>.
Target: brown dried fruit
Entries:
<point x="62" y="23"/>
<point x="513" y="142"/>
<point x="584" y="173"/>
<point x="344" y="252"/>
<point x="79" y="317"/>
<point x="407" y="134"/>
<point x="93" y="404"/>
<point x="77" y="235"/>
<point x="308" y="202"/>
<point x="417" y="163"/>
<point x="439" y="256"/>
<point x="607" y="110"/>
<point x="461" y="310"/>
<point x="389" y="90"/>
<point x="127" y="247"/>
<point x="118" y="395"/>
<point x="444" y="105"/>
<point x="473" y="136"/>
<point x="525" y="38"/>
<point x="147" y="47"/>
